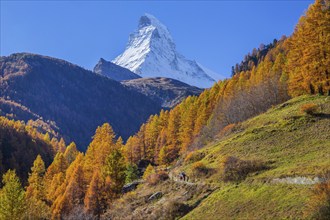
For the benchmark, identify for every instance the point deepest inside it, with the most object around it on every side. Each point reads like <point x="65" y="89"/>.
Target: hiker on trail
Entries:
<point x="183" y="176"/>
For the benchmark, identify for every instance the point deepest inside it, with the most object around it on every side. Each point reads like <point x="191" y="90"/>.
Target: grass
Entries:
<point x="290" y="142"/>
<point x="294" y="143"/>
<point x="253" y="201"/>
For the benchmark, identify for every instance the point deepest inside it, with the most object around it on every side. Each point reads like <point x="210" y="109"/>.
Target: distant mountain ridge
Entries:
<point x="164" y="91"/>
<point x="151" y="52"/>
<point x="75" y="99"/>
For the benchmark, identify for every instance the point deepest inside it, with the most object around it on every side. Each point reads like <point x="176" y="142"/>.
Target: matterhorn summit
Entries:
<point x="151" y="52"/>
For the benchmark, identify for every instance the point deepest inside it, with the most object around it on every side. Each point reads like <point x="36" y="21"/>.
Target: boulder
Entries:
<point x="155" y="196"/>
<point x="130" y="186"/>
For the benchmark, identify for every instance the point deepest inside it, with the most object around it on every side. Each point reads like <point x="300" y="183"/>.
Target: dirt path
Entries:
<point x="299" y="180"/>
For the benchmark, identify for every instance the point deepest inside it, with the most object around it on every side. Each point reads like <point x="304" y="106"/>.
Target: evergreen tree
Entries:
<point x="163" y="156"/>
<point x="173" y="127"/>
<point x="132" y="150"/>
<point x="153" y="127"/>
<point x="188" y="118"/>
<point x="55" y="187"/>
<point x="46" y="138"/>
<point x="12" y="197"/>
<point x="55" y="176"/>
<point x="149" y="170"/>
<point x="309" y="51"/>
<point x="93" y="199"/>
<point x="72" y="191"/>
<point x="71" y="152"/>
<point x="131" y="173"/>
<point x="232" y="71"/>
<point x="142" y="141"/>
<point x="59" y="165"/>
<point x="115" y="168"/>
<point x="36" y="186"/>
<point x="35" y="192"/>
<point x="61" y="146"/>
<point x="36" y="209"/>
<point x="119" y="144"/>
<point x="100" y="147"/>
<point x="75" y="190"/>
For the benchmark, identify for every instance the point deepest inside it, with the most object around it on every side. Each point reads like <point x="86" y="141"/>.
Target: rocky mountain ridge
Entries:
<point x="151" y="52"/>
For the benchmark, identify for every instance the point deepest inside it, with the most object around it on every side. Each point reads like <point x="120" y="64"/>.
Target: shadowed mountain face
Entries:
<point x="69" y="97"/>
<point x="113" y="71"/>
<point x="164" y="91"/>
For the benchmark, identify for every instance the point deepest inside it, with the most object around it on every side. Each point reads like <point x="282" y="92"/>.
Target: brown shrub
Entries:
<point x="174" y="210"/>
<point x="318" y="206"/>
<point x="163" y="175"/>
<point x="194" y="156"/>
<point x="199" y="168"/>
<point x="155" y="178"/>
<point x="226" y="130"/>
<point x="309" y="108"/>
<point x="235" y="169"/>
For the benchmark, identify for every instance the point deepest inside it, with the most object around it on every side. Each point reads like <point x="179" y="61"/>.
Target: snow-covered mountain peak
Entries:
<point x="151" y="52"/>
<point x="148" y="20"/>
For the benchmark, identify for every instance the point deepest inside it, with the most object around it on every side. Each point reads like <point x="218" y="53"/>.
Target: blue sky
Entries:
<point x="217" y="34"/>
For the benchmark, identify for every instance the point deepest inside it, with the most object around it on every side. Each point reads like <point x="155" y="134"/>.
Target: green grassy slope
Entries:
<point x="289" y="142"/>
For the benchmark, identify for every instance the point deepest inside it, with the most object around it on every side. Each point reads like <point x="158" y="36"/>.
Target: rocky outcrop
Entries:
<point x="155" y="196"/>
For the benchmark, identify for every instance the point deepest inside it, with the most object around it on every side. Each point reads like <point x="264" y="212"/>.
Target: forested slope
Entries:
<point x="73" y="99"/>
<point x="20" y="145"/>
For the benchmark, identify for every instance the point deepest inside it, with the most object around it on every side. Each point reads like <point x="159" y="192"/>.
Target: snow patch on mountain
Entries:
<point x="151" y="52"/>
